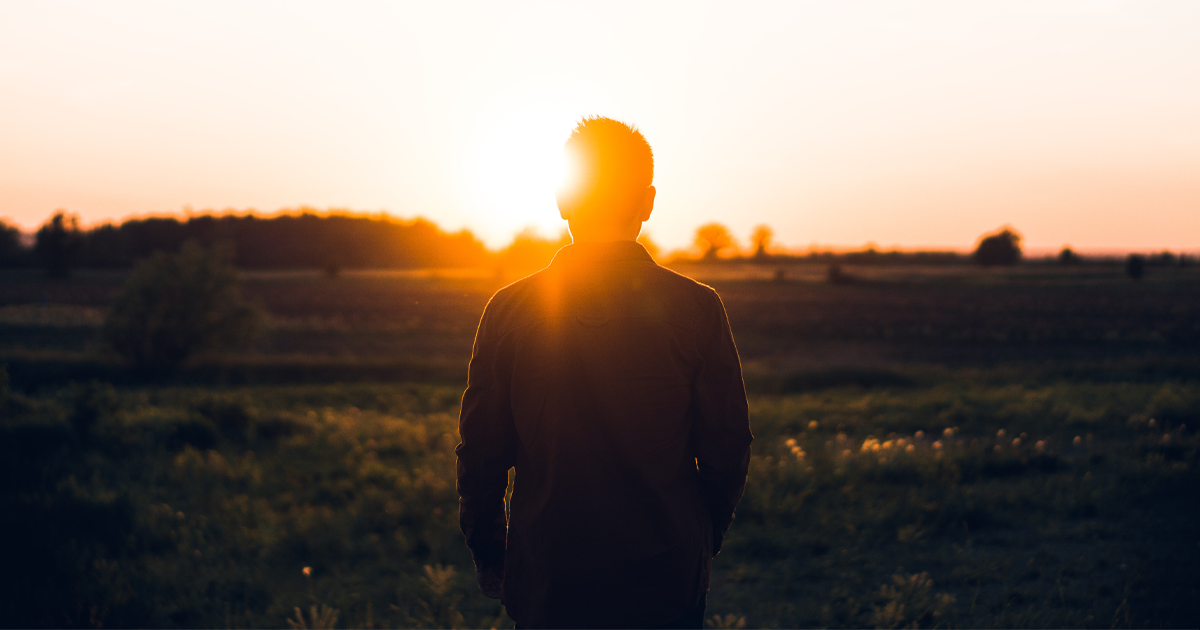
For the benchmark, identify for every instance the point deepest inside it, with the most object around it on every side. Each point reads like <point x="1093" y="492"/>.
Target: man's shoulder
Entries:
<point x="680" y="299"/>
<point x="684" y="285"/>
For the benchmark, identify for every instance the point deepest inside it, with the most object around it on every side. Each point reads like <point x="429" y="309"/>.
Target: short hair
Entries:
<point x="608" y="158"/>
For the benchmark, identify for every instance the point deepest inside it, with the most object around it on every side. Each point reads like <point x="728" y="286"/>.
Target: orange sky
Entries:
<point x="838" y="123"/>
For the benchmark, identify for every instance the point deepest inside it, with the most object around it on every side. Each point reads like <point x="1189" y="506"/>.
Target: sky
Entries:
<point x="899" y="124"/>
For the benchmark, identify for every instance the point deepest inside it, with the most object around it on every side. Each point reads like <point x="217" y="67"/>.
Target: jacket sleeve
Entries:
<point x="721" y="429"/>
<point x="487" y="449"/>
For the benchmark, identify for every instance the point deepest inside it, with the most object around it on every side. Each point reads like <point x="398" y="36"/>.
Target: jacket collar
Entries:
<point x="601" y="252"/>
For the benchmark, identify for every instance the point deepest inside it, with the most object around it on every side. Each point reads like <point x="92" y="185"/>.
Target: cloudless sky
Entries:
<point x="836" y="123"/>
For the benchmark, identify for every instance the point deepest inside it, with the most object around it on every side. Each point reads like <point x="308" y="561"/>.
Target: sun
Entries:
<point x="516" y="167"/>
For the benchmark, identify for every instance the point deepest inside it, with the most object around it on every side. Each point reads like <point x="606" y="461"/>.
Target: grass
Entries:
<point x="309" y="480"/>
<point x="236" y="507"/>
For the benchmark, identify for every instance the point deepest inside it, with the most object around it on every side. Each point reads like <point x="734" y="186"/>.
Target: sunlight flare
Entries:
<point x="516" y="167"/>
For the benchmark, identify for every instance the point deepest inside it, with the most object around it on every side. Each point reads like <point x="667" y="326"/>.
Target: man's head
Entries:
<point x="608" y="192"/>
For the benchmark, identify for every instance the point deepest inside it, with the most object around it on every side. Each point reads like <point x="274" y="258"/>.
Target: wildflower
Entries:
<point x="948" y="432"/>
<point x="1078" y="440"/>
<point x="1153" y="422"/>
<point x="937" y="444"/>
<point x="1000" y="433"/>
<point x="1016" y="441"/>
<point x="841" y="437"/>
<point x="882" y="460"/>
<point x="1166" y="438"/>
<point x="1041" y="445"/>
<point x="919" y="435"/>
<point x="812" y="426"/>
<point x="910" y="448"/>
<point x="307" y="571"/>
<point x="846" y="453"/>
<point x="887" y="444"/>
<point x="997" y="448"/>
<point x="791" y="442"/>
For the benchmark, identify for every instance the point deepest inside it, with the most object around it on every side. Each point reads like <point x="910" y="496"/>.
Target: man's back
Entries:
<point x="613" y="387"/>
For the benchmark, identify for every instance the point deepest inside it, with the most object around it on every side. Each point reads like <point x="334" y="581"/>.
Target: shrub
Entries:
<point x="1001" y="248"/>
<point x="174" y="306"/>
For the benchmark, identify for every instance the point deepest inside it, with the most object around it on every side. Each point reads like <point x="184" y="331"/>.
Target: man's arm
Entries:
<point x="486" y="452"/>
<point x="721" y="431"/>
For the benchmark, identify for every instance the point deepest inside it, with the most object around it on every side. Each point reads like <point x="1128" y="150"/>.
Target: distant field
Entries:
<point x="916" y="457"/>
<point x="359" y="324"/>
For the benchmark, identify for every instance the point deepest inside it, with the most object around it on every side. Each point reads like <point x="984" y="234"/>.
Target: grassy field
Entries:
<point x="934" y="447"/>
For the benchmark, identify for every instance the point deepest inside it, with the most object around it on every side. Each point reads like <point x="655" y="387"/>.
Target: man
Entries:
<point x="613" y="388"/>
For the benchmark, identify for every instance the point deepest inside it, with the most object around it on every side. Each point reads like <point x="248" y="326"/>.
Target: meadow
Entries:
<point x="935" y="447"/>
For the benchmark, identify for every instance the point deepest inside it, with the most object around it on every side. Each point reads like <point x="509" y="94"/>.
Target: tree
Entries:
<point x="58" y="243"/>
<point x="1135" y="266"/>
<point x="762" y="239"/>
<point x="712" y="238"/>
<point x="1068" y="257"/>
<point x="1000" y="248"/>
<point x="10" y="245"/>
<point x="174" y="306"/>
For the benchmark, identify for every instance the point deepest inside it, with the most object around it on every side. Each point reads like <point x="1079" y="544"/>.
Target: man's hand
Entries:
<point x="491" y="582"/>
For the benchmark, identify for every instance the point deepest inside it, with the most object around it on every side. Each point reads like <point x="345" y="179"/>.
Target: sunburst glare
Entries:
<point x="516" y="168"/>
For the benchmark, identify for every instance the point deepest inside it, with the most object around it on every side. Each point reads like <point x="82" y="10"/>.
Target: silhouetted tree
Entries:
<point x="11" y="250"/>
<point x="1162" y="259"/>
<point x="1135" y="266"/>
<point x="58" y="244"/>
<point x="712" y="238"/>
<point x="1000" y="248"/>
<point x="1068" y="257"/>
<point x="762" y="239"/>
<point x="174" y="306"/>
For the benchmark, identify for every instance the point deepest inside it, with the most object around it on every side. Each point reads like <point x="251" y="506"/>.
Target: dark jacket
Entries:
<point x="612" y="385"/>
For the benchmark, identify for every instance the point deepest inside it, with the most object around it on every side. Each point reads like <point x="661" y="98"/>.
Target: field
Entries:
<point x="934" y="447"/>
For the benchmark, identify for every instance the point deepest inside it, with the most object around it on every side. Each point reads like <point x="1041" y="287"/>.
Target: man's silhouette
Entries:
<point x="613" y="387"/>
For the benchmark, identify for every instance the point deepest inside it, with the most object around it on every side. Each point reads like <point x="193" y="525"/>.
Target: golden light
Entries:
<point x="517" y="167"/>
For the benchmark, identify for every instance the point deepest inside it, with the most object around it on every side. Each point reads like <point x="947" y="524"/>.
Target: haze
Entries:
<point x="901" y="124"/>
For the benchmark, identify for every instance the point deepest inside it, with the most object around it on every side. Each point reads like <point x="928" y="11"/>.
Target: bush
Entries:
<point x="175" y="306"/>
<point x="1001" y="248"/>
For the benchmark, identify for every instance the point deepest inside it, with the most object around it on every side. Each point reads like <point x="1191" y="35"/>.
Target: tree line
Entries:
<point x="335" y="241"/>
<point x="291" y="241"/>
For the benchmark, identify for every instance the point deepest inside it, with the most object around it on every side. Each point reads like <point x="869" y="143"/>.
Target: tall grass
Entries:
<point x="956" y="504"/>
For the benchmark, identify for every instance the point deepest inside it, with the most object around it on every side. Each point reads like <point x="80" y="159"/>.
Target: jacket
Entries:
<point x="613" y="387"/>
